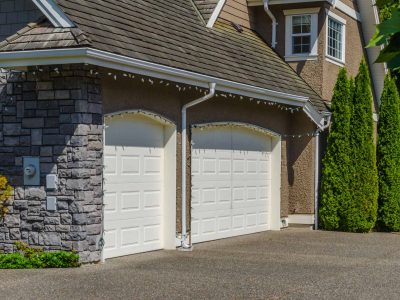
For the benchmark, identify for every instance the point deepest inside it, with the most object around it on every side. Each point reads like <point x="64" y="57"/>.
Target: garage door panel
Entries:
<point x="237" y="175"/>
<point x="133" y="186"/>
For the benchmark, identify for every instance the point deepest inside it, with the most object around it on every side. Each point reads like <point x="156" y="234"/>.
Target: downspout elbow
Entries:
<point x="274" y="23"/>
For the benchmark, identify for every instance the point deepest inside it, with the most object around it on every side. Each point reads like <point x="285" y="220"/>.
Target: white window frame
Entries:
<point x="329" y="58"/>
<point x="289" y="14"/>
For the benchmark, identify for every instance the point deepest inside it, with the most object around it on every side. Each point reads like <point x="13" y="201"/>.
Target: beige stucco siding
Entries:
<point x="297" y="182"/>
<point x="320" y="74"/>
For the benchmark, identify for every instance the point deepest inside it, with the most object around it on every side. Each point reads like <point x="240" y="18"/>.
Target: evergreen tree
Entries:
<point x="388" y="157"/>
<point x="335" y="178"/>
<point x="360" y="212"/>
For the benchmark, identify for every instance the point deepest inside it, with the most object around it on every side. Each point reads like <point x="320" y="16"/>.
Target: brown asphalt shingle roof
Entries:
<point x="206" y="7"/>
<point x="43" y="35"/>
<point x="171" y="33"/>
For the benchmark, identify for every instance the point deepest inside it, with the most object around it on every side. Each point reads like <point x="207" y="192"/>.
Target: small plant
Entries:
<point x="35" y="258"/>
<point x="5" y="195"/>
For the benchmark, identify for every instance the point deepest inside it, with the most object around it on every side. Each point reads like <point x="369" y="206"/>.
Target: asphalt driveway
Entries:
<point x="292" y="264"/>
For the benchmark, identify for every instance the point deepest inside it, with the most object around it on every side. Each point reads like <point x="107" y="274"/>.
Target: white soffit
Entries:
<point x="54" y="13"/>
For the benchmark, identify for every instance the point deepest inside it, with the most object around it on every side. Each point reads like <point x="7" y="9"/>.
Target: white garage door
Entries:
<point x="231" y="178"/>
<point x="133" y="185"/>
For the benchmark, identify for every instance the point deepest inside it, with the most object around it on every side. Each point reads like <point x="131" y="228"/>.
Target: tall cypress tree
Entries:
<point x="360" y="213"/>
<point x="335" y="179"/>
<point x="388" y="157"/>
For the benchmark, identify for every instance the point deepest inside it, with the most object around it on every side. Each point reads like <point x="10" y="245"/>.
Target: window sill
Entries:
<point x="301" y="57"/>
<point x="335" y="61"/>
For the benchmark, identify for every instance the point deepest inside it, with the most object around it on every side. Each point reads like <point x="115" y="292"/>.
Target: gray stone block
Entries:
<point x="49" y="239"/>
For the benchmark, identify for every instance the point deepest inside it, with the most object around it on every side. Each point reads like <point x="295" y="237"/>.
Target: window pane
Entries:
<point x="301" y="44"/>
<point x="301" y="24"/>
<point x="335" y="39"/>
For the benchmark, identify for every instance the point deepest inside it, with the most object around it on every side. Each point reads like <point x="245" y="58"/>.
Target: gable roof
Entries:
<point x="170" y="33"/>
<point x="206" y="8"/>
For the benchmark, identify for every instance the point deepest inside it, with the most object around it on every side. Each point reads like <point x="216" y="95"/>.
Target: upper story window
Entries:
<point x="301" y="34"/>
<point x="335" y="45"/>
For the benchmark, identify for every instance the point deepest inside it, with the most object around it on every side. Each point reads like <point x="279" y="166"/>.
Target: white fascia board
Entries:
<point x="216" y="13"/>
<point x="54" y="13"/>
<point x="132" y="65"/>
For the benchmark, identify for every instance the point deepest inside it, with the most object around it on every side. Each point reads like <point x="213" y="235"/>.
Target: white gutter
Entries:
<point x="145" y="68"/>
<point x="274" y="23"/>
<point x="211" y="94"/>
<point x="54" y="13"/>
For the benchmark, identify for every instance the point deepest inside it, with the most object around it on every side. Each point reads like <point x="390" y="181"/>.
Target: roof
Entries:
<point x="206" y="8"/>
<point x="171" y="33"/>
<point x="43" y="35"/>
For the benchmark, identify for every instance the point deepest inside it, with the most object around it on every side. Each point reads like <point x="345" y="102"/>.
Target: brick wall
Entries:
<point x="57" y="116"/>
<point x="15" y="14"/>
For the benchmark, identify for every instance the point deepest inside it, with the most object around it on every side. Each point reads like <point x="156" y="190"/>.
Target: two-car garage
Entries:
<point x="235" y="171"/>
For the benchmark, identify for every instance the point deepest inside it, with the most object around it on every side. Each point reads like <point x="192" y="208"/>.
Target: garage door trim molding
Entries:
<point x="155" y="116"/>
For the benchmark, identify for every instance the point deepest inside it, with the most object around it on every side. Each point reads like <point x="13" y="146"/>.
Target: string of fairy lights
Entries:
<point x="180" y="88"/>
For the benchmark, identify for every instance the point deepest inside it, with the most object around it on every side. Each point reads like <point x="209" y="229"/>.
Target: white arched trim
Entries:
<point x="237" y="124"/>
<point x="152" y="115"/>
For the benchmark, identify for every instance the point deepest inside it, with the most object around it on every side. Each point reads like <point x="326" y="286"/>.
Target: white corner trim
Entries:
<point x="301" y="11"/>
<point x="216" y="13"/>
<point x="303" y="219"/>
<point x="347" y="10"/>
<point x="54" y="13"/>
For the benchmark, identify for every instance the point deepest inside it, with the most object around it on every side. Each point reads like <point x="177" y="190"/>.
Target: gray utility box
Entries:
<point x="31" y="171"/>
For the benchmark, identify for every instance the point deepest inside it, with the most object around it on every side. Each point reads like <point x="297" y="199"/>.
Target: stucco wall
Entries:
<point x="320" y="74"/>
<point x="297" y="166"/>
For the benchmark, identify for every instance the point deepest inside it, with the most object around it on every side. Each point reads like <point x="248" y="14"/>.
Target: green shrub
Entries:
<point x="360" y="212"/>
<point x="388" y="158"/>
<point x="336" y="163"/>
<point x="34" y="258"/>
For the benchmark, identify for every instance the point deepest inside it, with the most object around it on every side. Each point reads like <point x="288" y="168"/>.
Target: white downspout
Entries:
<point x="274" y="23"/>
<point x="316" y="204"/>
<point x="211" y="94"/>
<point x="327" y="117"/>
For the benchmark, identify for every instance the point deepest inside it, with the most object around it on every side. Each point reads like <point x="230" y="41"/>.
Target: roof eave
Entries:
<point x="145" y="68"/>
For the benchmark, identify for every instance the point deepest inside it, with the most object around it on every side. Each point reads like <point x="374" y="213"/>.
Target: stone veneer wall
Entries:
<point x="54" y="114"/>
